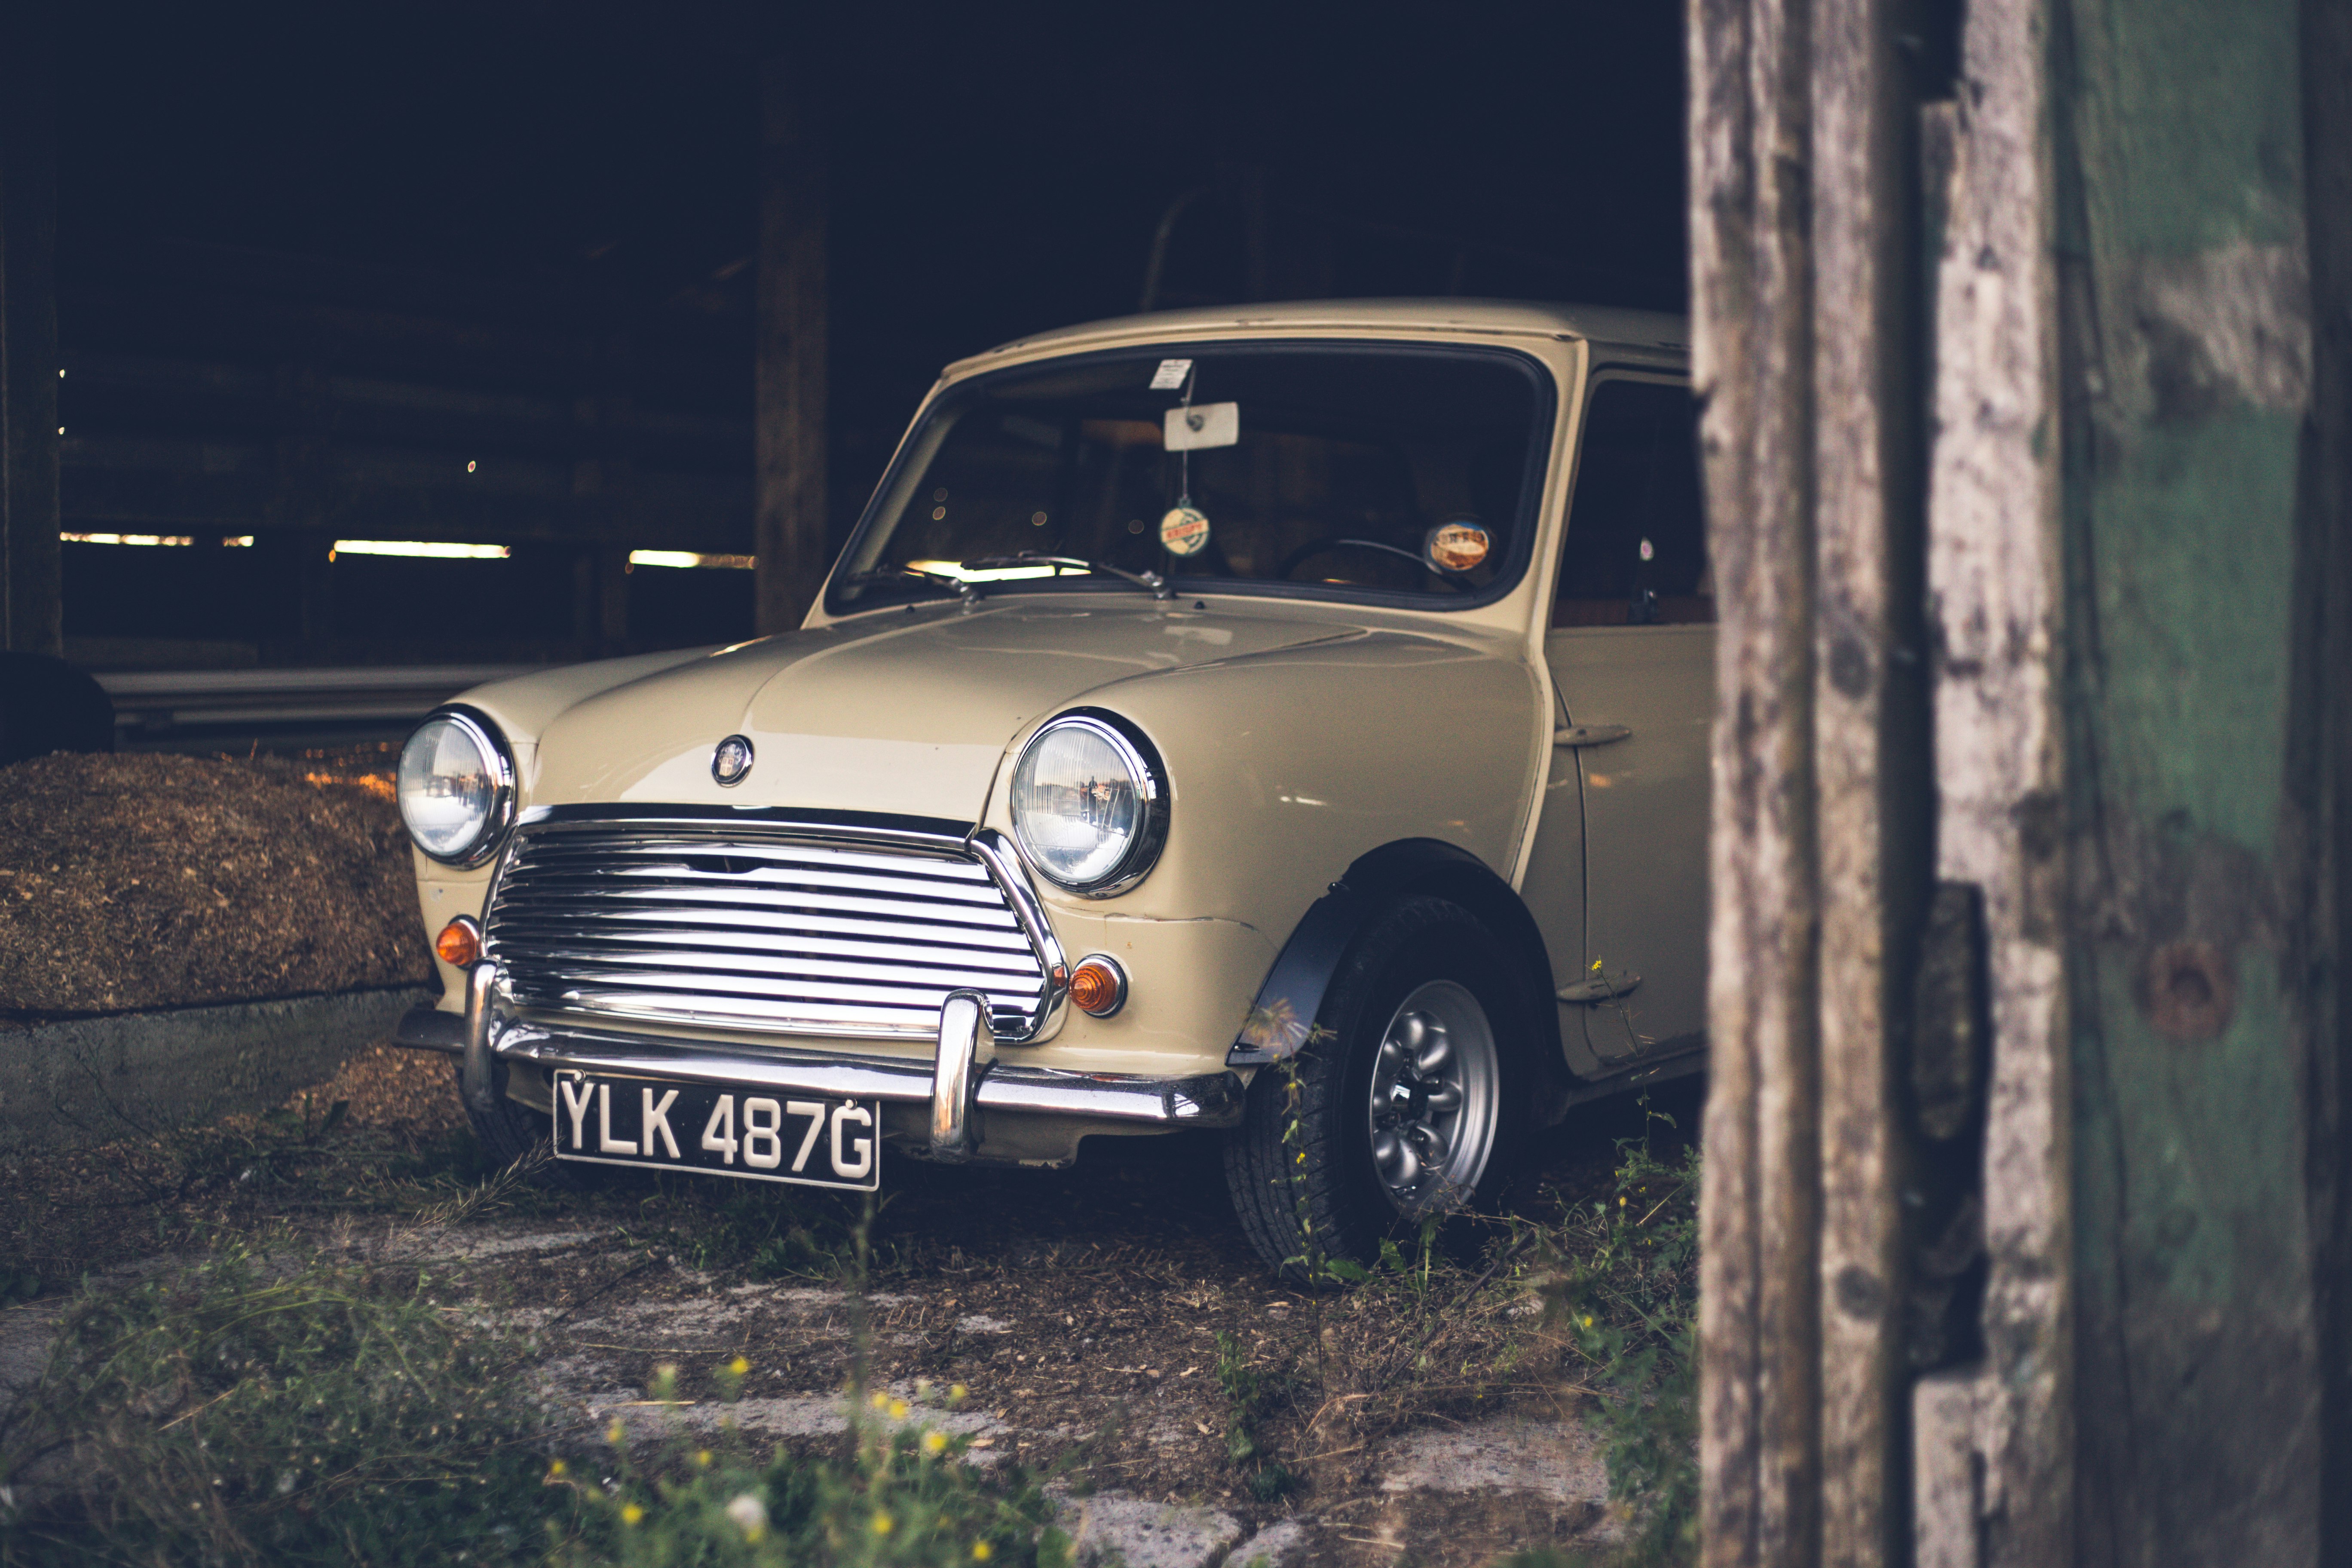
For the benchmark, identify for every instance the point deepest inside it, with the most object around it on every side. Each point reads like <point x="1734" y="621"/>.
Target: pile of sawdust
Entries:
<point x="129" y="882"/>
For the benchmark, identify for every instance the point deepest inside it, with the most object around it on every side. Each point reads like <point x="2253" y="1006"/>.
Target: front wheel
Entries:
<point x="1409" y="1104"/>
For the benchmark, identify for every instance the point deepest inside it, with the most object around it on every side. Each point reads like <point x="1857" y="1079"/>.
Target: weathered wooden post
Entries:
<point x="32" y="616"/>
<point x="789" y="525"/>
<point x="2025" y="1217"/>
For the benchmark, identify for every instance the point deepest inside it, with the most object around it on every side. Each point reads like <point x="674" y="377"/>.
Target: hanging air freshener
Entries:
<point x="1184" y="531"/>
<point x="1184" y="527"/>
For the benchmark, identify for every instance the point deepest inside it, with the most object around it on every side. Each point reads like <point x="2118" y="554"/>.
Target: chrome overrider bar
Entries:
<point x="960" y="1083"/>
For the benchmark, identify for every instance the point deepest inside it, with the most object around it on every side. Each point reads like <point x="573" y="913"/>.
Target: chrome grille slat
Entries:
<point x="794" y="988"/>
<point x="667" y="874"/>
<point x="751" y="948"/>
<point x="743" y="898"/>
<point x="760" y="1014"/>
<point x="758" y="927"/>
<point x="586" y="850"/>
<point x="635" y="918"/>
<point x="914" y="971"/>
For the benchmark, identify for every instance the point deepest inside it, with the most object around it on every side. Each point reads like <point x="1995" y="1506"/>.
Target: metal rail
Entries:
<point x="206" y="703"/>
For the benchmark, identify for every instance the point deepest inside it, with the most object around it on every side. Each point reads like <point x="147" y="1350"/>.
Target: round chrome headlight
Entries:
<point x="456" y="787"/>
<point x="1090" y="802"/>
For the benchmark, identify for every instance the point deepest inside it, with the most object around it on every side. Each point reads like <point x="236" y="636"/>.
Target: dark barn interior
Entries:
<point x="493" y="277"/>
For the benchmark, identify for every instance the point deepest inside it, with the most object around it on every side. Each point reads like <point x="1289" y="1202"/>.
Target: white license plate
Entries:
<point x="767" y="1135"/>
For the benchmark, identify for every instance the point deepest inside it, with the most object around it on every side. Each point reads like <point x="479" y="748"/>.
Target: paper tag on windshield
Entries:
<point x="1170" y="376"/>
<point x="1208" y="424"/>
<point x="1184" y="532"/>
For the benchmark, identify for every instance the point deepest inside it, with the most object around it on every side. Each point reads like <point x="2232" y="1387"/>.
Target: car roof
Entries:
<point x="1654" y="330"/>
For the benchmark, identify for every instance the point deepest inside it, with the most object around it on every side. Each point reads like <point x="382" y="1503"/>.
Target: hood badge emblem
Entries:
<point x="730" y="765"/>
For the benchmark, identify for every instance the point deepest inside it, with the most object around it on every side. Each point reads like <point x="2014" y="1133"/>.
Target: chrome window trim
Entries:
<point x="492" y="742"/>
<point x="1136" y="750"/>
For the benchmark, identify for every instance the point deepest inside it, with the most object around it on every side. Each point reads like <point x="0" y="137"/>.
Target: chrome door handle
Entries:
<point x="1600" y="988"/>
<point x="1589" y="734"/>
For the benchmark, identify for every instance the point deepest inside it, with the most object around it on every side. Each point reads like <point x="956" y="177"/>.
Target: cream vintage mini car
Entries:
<point x="1290" y="721"/>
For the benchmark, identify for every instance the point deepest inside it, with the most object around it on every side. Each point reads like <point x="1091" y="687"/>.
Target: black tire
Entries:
<point x="1334" y="1189"/>
<point x="514" y="1130"/>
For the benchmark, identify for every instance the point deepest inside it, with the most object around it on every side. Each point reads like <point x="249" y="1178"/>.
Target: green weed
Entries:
<point x="260" y="1408"/>
<point x="1246" y="1397"/>
<point x="1622" y="1275"/>
<point x="903" y="1496"/>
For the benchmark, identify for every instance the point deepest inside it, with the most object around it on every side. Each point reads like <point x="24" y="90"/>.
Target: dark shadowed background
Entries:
<point x="486" y="275"/>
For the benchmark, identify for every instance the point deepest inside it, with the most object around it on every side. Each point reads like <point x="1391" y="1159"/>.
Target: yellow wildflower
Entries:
<point x="899" y="1410"/>
<point x="554" y="1469"/>
<point x="880" y="1401"/>
<point x="615" y="1432"/>
<point x="631" y="1513"/>
<point x="957" y="1392"/>
<point x="703" y="1459"/>
<point x="935" y="1442"/>
<point x="880" y="1523"/>
<point x="982" y="1551"/>
<point x="739" y="1366"/>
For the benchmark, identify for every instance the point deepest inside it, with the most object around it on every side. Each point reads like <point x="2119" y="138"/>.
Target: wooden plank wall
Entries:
<point x="2031" y="745"/>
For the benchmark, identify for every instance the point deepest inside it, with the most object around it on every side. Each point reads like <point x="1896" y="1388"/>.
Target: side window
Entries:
<point x="1636" y="547"/>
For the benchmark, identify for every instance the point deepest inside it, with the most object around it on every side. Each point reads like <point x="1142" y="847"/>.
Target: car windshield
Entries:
<point x="1387" y="471"/>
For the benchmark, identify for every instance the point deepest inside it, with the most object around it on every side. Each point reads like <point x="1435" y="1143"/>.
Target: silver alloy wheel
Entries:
<point x="1435" y="1098"/>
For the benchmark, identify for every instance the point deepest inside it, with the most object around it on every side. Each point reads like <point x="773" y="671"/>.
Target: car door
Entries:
<point x="1632" y="652"/>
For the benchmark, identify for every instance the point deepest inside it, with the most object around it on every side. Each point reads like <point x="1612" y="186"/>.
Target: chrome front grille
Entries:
<point x="784" y="927"/>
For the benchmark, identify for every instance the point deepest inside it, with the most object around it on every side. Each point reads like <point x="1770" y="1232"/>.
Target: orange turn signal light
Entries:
<point x="460" y="942"/>
<point x="1098" y="986"/>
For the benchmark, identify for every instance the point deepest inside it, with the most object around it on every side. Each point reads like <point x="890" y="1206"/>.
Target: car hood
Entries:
<point x="907" y="713"/>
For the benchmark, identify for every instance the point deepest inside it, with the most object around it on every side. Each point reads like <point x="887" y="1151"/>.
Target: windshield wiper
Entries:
<point x="916" y="577"/>
<point x="1152" y="582"/>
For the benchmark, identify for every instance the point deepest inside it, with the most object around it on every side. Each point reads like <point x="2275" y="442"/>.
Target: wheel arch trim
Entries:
<point x="1289" y="1003"/>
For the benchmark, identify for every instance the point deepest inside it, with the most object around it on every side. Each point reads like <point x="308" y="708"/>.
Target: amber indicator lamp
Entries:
<point x="460" y="942"/>
<point x="1098" y="986"/>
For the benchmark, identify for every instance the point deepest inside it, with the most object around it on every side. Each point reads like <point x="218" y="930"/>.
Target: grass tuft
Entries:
<point x="287" y="1407"/>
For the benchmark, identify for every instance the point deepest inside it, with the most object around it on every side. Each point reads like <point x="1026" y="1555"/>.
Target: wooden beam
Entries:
<point x="2187" y="317"/>
<point x="1870" y="750"/>
<point x="1752" y="324"/>
<point x="32" y="610"/>
<point x="790" y="526"/>
<point x="1994" y="1438"/>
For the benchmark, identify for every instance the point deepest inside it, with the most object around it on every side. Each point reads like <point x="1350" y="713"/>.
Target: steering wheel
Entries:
<point x="1335" y="542"/>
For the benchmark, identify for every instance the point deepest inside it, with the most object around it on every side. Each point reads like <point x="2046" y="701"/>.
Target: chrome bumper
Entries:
<point x="959" y="1085"/>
